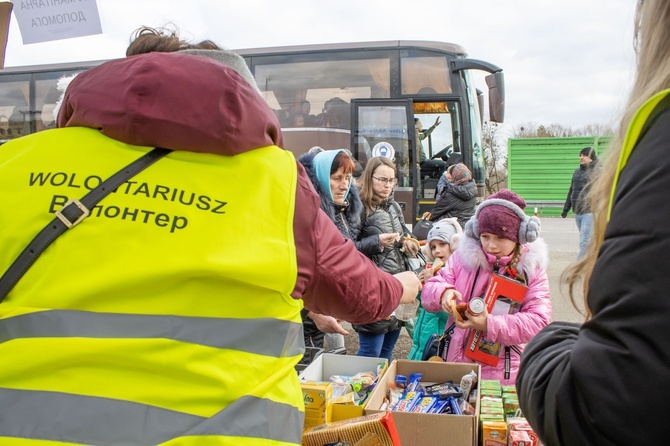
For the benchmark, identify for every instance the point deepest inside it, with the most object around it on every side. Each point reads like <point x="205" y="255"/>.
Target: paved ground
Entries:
<point x="562" y="238"/>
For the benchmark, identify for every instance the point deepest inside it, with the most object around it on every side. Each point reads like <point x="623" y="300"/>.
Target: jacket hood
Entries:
<point x="172" y="100"/>
<point x="533" y="255"/>
<point x="353" y="204"/>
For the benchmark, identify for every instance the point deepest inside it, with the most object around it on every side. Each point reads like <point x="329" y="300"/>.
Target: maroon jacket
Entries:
<point x="193" y="103"/>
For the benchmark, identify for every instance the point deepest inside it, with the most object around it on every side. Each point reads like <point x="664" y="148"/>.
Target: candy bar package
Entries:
<point x="376" y="429"/>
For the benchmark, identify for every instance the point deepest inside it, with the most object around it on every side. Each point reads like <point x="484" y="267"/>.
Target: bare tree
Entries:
<point x="495" y="157"/>
<point x="532" y="130"/>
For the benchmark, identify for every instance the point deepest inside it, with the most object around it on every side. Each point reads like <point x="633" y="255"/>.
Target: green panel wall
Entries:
<point x="540" y="169"/>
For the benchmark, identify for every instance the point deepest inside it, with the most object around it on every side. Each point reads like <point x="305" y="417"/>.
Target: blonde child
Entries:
<point x="442" y="240"/>
<point x="499" y="238"/>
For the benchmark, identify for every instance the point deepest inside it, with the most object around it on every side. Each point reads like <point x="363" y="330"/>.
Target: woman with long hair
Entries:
<point x="604" y="382"/>
<point x="383" y="221"/>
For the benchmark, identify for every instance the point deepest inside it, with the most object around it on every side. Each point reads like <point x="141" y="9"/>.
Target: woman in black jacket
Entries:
<point x="383" y="222"/>
<point x="331" y="173"/>
<point x="458" y="197"/>
<point x="605" y="382"/>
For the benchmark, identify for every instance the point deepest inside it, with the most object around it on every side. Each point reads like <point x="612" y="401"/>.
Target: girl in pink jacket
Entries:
<point x="500" y="238"/>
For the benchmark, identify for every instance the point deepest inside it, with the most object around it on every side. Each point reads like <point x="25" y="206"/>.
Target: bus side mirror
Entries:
<point x="496" y="84"/>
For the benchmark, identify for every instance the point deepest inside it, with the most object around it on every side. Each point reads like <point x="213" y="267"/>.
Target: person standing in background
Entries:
<point x="578" y="197"/>
<point x="422" y="134"/>
<point x="605" y="382"/>
<point x="382" y="220"/>
<point x="331" y="173"/>
<point x="458" y="197"/>
<point x="441" y="242"/>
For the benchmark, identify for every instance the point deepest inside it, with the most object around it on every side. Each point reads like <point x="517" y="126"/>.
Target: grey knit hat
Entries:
<point x="447" y="230"/>
<point x="233" y="60"/>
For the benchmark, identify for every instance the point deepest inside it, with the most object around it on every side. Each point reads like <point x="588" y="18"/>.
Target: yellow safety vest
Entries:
<point x="165" y="317"/>
<point x="632" y="135"/>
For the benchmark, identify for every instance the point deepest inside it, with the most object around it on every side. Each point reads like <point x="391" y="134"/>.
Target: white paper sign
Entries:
<point x="46" y="20"/>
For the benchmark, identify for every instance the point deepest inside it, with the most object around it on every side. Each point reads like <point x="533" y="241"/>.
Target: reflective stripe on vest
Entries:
<point x="220" y="333"/>
<point x="57" y="415"/>
<point x="633" y="132"/>
<point x="164" y="316"/>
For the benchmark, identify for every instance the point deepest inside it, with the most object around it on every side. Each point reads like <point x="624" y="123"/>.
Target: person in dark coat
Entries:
<point x="383" y="221"/>
<point x="331" y="172"/>
<point x="605" y="382"/>
<point x="458" y="197"/>
<point x="578" y="197"/>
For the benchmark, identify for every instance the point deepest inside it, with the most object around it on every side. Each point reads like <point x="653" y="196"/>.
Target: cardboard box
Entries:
<point x="327" y="364"/>
<point x="422" y="429"/>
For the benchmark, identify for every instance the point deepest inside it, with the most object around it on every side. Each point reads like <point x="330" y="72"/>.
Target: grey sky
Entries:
<point x="566" y="62"/>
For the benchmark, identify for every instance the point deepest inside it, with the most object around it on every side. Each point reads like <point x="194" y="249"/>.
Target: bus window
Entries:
<point x="385" y="125"/>
<point x="14" y="107"/>
<point x="318" y="93"/>
<point x="425" y="75"/>
<point x="46" y="96"/>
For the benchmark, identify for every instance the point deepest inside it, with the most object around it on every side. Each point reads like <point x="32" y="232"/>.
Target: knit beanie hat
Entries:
<point x="322" y="163"/>
<point x="447" y="230"/>
<point x="233" y="60"/>
<point x="588" y="151"/>
<point x="502" y="214"/>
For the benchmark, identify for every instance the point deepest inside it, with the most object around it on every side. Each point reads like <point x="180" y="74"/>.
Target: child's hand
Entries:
<point x="476" y="322"/>
<point x="447" y="297"/>
<point x="425" y="274"/>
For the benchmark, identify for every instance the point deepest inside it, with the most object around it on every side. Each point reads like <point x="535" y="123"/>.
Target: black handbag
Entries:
<point x="430" y="349"/>
<point x="421" y="229"/>
<point x="438" y="345"/>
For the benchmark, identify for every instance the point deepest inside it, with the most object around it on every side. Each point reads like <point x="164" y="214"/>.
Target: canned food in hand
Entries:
<point x="476" y="306"/>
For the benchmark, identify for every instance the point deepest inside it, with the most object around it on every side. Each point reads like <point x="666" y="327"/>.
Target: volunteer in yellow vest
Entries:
<point x="605" y="382"/>
<point x="171" y="315"/>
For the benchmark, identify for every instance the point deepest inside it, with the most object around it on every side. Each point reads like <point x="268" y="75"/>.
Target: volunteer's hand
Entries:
<point x="564" y="214"/>
<point x="437" y="122"/>
<point x="387" y="239"/>
<point x="410" y="286"/>
<point x="327" y="324"/>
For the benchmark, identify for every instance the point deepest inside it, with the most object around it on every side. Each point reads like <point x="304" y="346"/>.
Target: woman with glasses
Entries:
<point x="382" y="219"/>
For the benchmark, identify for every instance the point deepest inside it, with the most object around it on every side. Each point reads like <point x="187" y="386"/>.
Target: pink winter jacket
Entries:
<point x="509" y="329"/>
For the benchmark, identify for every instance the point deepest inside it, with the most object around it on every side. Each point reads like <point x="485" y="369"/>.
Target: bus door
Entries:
<point x="381" y="127"/>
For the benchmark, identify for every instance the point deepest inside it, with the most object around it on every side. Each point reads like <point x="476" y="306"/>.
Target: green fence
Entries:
<point x="540" y="169"/>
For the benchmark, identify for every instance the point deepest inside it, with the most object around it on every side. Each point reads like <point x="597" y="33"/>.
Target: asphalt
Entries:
<point x="562" y="240"/>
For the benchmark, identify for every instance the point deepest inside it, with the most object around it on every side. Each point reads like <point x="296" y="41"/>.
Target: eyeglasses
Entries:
<point x="391" y="181"/>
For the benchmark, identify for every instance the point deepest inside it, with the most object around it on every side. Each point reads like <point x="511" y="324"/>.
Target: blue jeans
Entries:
<point x="378" y="346"/>
<point x="585" y="227"/>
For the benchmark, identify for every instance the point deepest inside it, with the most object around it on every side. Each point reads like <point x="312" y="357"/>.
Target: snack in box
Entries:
<point x="353" y="430"/>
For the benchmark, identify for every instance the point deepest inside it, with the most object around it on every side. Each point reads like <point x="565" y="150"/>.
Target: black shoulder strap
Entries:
<point x="72" y="213"/>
